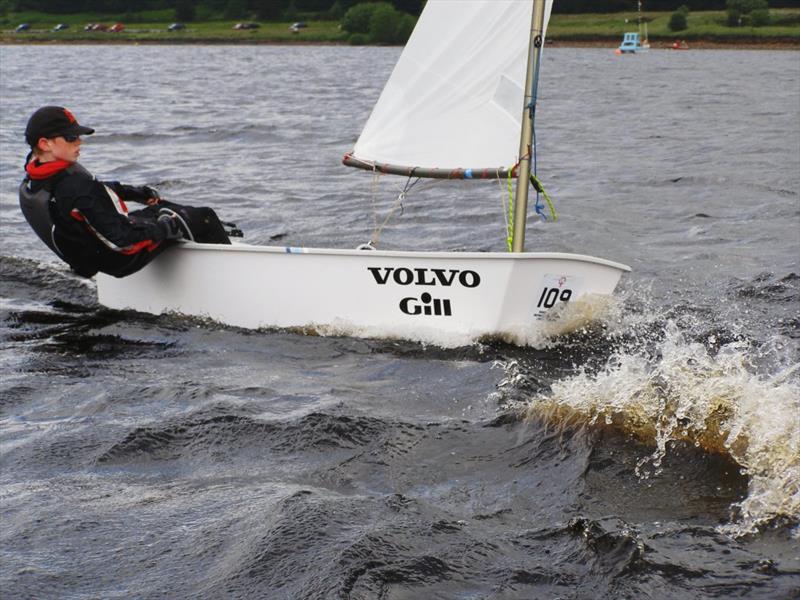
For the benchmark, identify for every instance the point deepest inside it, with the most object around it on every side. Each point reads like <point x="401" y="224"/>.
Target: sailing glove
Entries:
<point x="152" y="195"/>
<point x="171" y="227"/>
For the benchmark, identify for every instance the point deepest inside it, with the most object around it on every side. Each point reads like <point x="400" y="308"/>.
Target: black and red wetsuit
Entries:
<point x="92" y="227"/>
<point x="87" y="222"/>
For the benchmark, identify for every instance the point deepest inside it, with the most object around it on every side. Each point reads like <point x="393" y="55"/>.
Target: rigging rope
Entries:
<point x="537" y="205"/>
<point x="378" y="228"/>
<point x="398" y="203"/>
<point x="508" y="210"/>
<point x="537" y="185"/>
<point x="508" y="214"/>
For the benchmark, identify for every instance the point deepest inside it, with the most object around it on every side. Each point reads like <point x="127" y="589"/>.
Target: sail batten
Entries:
<point x="453" y="102"/>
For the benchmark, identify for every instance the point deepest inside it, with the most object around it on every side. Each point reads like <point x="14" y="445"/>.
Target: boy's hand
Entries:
<point x="152" y="195"/>
<point x="171" y="227"/>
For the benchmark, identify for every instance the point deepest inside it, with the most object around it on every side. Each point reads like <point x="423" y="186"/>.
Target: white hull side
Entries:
<point x="444" y="298"/>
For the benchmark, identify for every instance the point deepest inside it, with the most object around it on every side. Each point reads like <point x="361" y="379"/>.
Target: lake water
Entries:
<point x="654" y="454"/>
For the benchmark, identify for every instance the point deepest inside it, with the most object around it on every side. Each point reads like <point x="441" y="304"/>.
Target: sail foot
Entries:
<point x="429" y="172"/>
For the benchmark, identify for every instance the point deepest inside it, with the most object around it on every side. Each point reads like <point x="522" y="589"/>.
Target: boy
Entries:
<point x="86" y="222"/>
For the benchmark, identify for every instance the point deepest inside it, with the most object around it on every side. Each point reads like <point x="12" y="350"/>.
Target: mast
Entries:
<point x="526" y="135"/>
<point x="639" y="18"/>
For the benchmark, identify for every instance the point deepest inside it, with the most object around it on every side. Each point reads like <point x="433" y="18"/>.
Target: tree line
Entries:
<point x="333" y="9"/>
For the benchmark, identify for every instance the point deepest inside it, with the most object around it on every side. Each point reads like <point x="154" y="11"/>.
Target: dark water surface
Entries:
<point x="652" y="454"/>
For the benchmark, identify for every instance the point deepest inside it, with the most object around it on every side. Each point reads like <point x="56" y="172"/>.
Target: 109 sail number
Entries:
<point x="552" y="295"/>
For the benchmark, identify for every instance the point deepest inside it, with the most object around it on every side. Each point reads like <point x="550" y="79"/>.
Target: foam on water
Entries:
<point x="591" y="310"/>
<point x="685" y="392"/>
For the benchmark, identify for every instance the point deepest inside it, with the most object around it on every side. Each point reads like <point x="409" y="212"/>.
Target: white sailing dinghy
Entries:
<point x="459" y="104"/>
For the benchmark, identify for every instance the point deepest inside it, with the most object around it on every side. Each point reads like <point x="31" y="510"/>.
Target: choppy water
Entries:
<point x="654" y="454"/>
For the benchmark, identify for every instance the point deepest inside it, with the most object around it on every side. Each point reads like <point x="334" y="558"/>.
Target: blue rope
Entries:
<point x="538" y="206"/>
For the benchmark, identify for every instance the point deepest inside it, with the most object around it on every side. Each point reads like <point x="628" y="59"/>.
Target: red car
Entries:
<point x="116" y="27"/>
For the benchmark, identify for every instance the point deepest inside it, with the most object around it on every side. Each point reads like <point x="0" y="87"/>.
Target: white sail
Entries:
<point x="455" y="97"/>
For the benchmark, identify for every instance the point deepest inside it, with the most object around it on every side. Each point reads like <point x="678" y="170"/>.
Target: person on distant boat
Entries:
<point x="86" y="222"/>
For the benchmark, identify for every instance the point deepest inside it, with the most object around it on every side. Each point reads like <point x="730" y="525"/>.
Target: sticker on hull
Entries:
<point x="554" y="292"/>
<point x="425" y="304"/>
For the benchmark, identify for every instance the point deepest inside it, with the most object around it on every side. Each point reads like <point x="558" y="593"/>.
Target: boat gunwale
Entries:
<point x="413" y="254"/>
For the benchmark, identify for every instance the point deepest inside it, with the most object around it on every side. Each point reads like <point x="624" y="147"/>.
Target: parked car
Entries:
<point x="22" y="27"/>
<point x="246" y="26"/>
<point x="116" y="27"/>
<point x="96" y="27"/>
<point x="176" y="27"/>
<point x="296" y="27"/>
<point x="61" y="27"/>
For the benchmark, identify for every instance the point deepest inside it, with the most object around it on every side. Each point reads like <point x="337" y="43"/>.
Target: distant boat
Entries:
<point x="634" y="42"/>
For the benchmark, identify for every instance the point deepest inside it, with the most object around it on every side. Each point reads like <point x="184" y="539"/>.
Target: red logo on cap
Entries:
<point x="70" y="116"/>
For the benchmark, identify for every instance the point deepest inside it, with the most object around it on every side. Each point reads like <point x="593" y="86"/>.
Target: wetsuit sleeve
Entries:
<point x="131" y="193"/>
<point x="120" y="233"/>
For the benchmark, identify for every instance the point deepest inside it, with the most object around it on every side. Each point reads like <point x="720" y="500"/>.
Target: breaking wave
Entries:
<point x="712" y="398"/>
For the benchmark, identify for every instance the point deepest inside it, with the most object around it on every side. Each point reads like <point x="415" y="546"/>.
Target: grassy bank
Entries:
<point x="152" y="27"/>
<point x="707" y="26"/>
<point x="585" y="28"/>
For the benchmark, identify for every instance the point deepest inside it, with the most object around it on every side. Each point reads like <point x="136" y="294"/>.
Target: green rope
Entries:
<point x="537" y="185"/>
<point x="510" y="220"/>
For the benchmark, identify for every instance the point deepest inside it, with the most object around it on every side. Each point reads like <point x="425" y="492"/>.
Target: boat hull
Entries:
<point x="632" y="49"/>
<point x="446" y="298"/>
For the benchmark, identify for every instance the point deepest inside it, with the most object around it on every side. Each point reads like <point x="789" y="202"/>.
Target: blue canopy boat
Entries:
<point x="634" y="42"/>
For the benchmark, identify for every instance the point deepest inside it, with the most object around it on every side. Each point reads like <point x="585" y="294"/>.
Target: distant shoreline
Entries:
<point x="703" y="30"/>
<point x="699" y="44"/>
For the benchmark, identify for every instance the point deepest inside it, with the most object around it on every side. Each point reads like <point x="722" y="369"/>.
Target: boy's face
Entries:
<point x="60" y="148"/>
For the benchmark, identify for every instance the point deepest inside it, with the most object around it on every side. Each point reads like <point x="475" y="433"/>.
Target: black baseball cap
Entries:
<point x="53" y="121"/>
